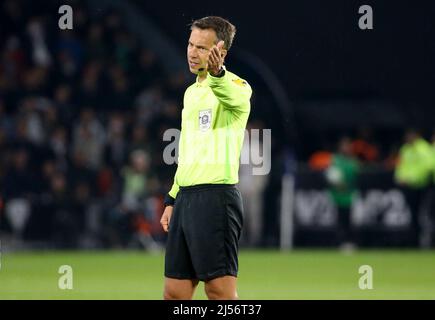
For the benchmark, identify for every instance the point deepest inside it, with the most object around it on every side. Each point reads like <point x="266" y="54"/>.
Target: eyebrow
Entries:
<point x="198" y="46"/>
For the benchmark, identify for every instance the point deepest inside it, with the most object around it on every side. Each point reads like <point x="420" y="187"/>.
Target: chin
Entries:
<point x="194" y="71"/>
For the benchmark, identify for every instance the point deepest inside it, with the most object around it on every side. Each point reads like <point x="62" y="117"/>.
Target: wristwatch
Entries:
<point x="220" y="74"/>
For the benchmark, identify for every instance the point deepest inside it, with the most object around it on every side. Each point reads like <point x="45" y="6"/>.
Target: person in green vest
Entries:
<point x="342" y="176"/>
<point x="432" y="192"/>
<point x="433" y="157"/>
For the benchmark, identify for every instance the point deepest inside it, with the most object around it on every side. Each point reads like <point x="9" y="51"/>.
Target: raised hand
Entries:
<point x="215" y="59"/>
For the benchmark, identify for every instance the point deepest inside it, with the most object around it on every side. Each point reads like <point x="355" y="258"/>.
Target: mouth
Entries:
<point x="193" y="64"/>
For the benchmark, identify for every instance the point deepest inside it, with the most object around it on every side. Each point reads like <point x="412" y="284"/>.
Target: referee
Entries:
<point x="203" y="210"/>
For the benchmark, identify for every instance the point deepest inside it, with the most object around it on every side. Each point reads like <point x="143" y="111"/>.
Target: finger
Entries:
<point x="216" y="51"/>
<point x="215" y="59"/>
<point x="220" y="45"/>
<point x="164" y="225"/>
<point x="209" y="53"/>
<point x="220" y="56"/>
<point x="217" y="55"/>
<point x="209" y="57"/>
<point x="212" y="59"/>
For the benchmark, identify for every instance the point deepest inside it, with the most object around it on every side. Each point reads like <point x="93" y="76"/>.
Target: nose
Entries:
<point x="192" y="52"/>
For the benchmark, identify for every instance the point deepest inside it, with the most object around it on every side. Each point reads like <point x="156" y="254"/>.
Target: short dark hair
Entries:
<point x="224" y="29"/>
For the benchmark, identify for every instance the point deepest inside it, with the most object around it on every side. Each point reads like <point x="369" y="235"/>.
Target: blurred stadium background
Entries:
<point x="82" y="117"/>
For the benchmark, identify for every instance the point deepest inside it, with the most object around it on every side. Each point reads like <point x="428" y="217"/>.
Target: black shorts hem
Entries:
<point x="201" y="277"/>
<point x="180" y="276"/>
<point x="217" y="274"/>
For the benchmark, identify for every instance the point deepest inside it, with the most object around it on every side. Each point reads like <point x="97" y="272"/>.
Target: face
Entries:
<point x="410" y="136"/>
<point x="198" y="48"/>
<point x="345" y="146"/>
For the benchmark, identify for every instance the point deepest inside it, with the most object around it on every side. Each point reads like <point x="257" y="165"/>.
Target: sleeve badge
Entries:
<point x="240" y="82"/>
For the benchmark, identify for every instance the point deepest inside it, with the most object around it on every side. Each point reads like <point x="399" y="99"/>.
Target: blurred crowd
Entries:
<point x="82" y="113"/>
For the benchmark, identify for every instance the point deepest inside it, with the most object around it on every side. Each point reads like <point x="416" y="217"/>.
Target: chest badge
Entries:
<point x="204" y="119"/>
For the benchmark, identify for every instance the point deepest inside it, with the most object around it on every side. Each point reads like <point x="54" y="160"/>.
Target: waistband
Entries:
<point x="207" y="186"/>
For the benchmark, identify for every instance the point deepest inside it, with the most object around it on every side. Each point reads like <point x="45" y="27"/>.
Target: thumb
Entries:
<point x="220" y="44"/>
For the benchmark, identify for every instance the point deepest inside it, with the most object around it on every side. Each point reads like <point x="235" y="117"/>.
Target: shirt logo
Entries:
<point x="240" y="82"/>
<point x="204" y="120"/>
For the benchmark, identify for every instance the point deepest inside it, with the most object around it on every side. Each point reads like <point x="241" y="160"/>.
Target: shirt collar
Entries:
<point x="203" y="83"/>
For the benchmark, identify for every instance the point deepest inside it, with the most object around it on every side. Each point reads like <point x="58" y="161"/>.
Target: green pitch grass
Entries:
<point x="314" y="274"/>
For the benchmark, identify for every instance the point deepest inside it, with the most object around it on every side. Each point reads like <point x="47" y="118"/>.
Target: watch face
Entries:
<point x="221" y="71"/>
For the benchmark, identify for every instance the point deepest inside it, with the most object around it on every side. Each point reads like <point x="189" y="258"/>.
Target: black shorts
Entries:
<point x="204" y="232"/>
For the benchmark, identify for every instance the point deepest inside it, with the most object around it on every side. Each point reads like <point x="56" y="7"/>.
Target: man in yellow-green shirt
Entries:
<point x="415" y="165"/>
<point x="203" y="210"/>
<point x="414" y="173"/>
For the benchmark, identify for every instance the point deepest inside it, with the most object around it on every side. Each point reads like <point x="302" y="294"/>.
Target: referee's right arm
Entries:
<point x="172" y="194"/>
<point x="169" y="204"/>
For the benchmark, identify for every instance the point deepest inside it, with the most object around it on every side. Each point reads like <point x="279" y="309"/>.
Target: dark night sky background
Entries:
<point x="316" y="47"/>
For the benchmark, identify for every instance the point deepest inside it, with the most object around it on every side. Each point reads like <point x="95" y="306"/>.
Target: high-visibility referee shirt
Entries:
<point x="213" y="122"/>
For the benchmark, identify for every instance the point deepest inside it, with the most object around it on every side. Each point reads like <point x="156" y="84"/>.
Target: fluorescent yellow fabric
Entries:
<point x="214" y="117"/>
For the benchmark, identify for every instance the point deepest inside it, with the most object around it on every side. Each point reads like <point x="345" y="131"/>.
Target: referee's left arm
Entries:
<point x="232" y="92"/>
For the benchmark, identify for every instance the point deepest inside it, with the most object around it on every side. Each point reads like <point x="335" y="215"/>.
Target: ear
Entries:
<point x="221" y="44"/>
<point x="224" y="53"/>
